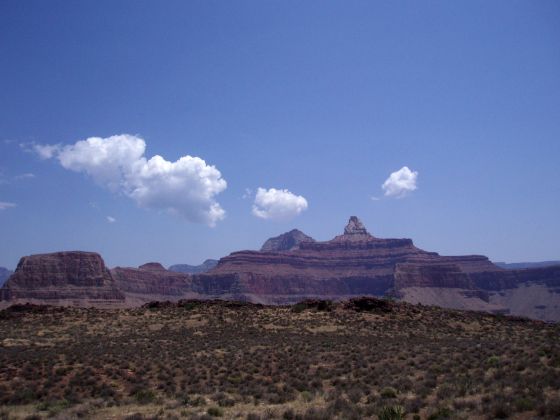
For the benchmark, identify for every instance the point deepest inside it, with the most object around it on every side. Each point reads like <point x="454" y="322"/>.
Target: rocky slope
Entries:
<point x="194" y="269"/>
<point x="64" y="278"/>
<point x="4" y="274"/>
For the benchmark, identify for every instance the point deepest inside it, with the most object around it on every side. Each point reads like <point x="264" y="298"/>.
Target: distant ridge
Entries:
<point x="194" y="269"/>
<point x="521" y="265"/>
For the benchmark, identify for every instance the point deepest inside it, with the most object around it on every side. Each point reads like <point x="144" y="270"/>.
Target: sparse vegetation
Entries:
<point x="319" y="361"/>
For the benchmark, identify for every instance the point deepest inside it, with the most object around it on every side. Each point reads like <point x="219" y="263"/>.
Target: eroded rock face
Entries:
<point x="76" y="277"/>
<point x="286" y="242"/>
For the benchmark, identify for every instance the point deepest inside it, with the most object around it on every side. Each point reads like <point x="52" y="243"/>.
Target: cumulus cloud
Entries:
<point x="278" y="204"/>
<point x="111" y="219"/>
<point x="186" y="187"/>
<point x="5" y="205"/>
<point x="400" y="183"/>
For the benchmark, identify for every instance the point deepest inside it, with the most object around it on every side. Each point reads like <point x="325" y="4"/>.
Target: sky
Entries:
<point x="177" y="131"/>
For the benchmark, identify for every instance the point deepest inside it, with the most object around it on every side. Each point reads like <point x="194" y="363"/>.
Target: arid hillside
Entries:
<point x="365" y="358"/>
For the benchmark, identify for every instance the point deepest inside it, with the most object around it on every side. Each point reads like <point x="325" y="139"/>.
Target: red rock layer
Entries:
<point x="151" y="279"/>
<point x="74" y="276"/>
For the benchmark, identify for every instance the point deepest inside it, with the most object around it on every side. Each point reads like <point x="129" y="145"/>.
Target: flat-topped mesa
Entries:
<point x="74" y="277"/>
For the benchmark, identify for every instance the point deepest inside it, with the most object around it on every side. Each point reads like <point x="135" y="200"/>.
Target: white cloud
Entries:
<point x="111" y="219"/>
<point x="45" y="151"/>
<point x="5" y="205"/>
<point x="278" y="204"/>
<point x="400" y="183"/>
<point x="186" y="187"/>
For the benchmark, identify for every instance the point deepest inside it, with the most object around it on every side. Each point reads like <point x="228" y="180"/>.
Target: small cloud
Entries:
<point x="247" y="194"/>
<point x="111" y="219"/>
<point x="5" y="205"/>
<point x="400" y="183"/>
<point x="44" y="151"/>
<point x="374" y="198"/>
<point x="27" y="175"/>
<point x="278" y="204"/>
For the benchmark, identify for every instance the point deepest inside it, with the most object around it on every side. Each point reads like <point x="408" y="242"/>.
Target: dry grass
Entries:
<point x="199" y="360"/>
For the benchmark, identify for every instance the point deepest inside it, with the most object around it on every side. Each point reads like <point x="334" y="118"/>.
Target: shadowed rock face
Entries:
<point x="78" y="278"/>
<point x="286" y="242"/>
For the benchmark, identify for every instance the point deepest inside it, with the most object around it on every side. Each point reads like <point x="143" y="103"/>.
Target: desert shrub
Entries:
<point x="500" y="410"/>
<point x="524" y="404"/>
<point x="441" y="414"/>
<point x="215" y="412"/>
<point x="354" y="395"/>
<point x="289" y="414"/>
<point x="144" y="396"/>
<point x="394" y="412"/>
<point x="493" y="361"/>
<point x="389" y="392"/>
<point x="306" y="396"/>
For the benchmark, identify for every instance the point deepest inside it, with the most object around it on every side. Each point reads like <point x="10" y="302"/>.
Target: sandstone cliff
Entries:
<point x="151" y="281"/>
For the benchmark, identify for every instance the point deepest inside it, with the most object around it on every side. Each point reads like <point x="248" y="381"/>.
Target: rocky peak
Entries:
<point x="355" y="227"/>
<point x="286" y="242"/>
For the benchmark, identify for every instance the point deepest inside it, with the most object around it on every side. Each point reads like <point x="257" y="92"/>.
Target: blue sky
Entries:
<point x="323" y="99"/>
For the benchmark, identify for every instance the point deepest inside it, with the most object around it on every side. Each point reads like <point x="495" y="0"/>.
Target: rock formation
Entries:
<point x="194" y="269"/>
<point x="354" y="263"/>
<point x="286" y="242"/>
<point x="151" y="281"/>
<point x="293" y="267"/>
<point x="62" y="278"/>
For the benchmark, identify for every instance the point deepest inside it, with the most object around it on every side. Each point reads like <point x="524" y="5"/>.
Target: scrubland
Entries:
<point x="314" y="360"/>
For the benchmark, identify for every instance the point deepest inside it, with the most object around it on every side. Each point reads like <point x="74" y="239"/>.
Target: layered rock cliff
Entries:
<point x="293" y="267"/>
<point x="67" y="278"/>
<point x="151" y="281"/>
